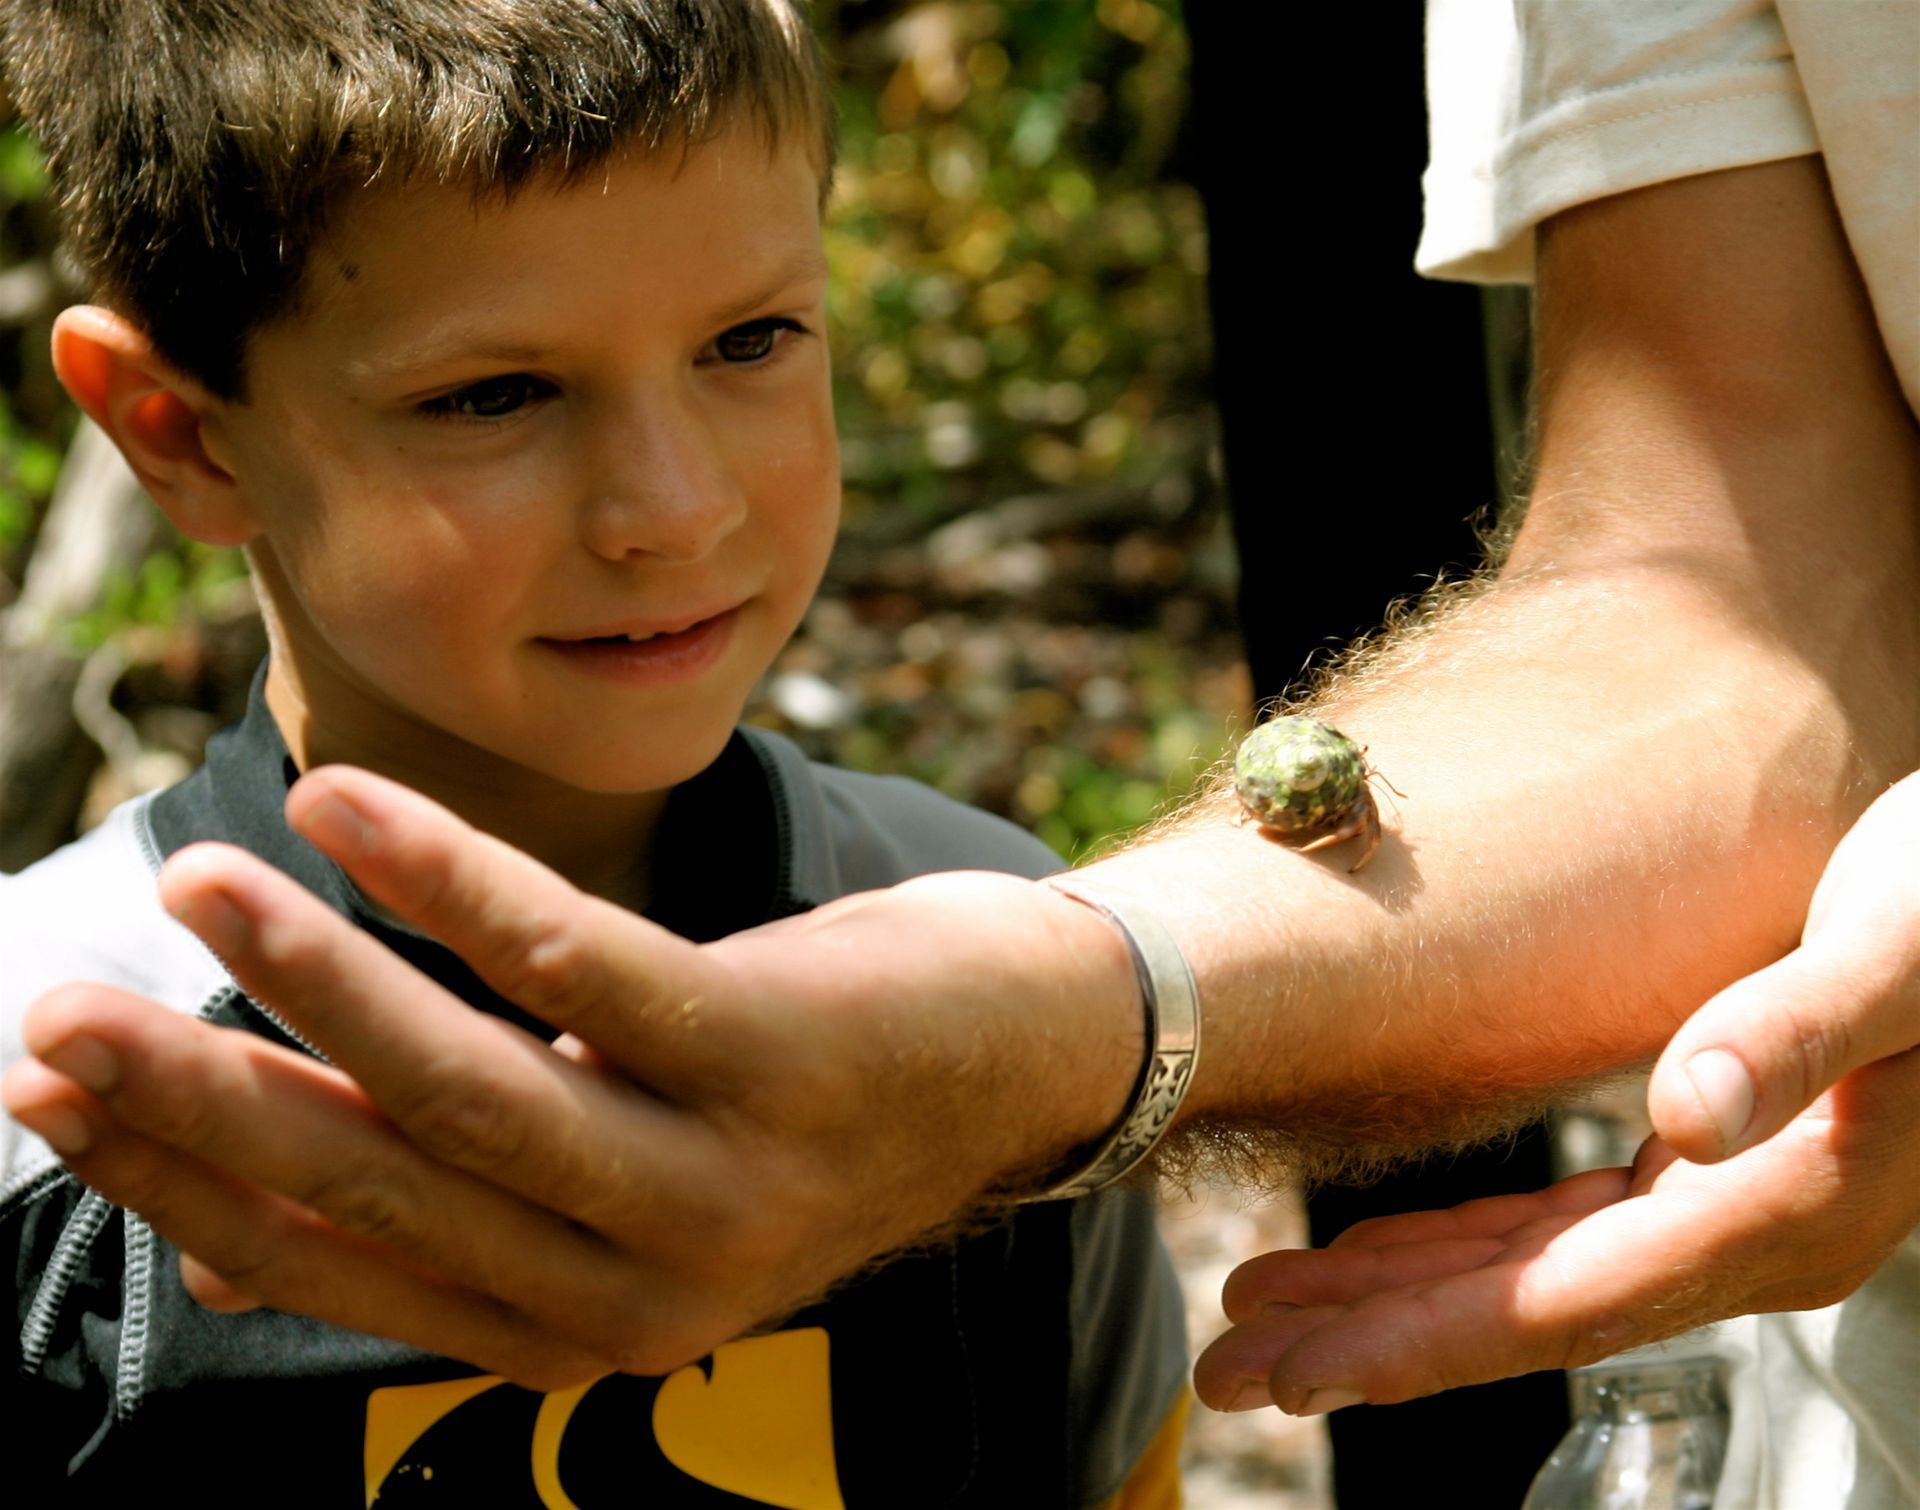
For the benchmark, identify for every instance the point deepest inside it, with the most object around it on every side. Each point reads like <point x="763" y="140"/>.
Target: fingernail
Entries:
<point x="335" y="826"/>
<point x="1320" y="1401"/>
<point x="86" y="1061"/>
<point x="64" y="1129"/>
<point x="1251" y="1395"/>
<point x="215" y="919"/>
<point x="1725" y="1090"/>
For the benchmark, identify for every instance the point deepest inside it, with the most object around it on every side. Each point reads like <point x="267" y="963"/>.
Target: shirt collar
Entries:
<point x="721" y="860"/>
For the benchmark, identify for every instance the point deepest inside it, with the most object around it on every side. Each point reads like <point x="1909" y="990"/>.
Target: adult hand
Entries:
<point x="554" y="1213"/>
<point x="1796" y="1091"/>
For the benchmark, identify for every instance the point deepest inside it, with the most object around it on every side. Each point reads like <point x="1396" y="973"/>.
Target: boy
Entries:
<point x="493" y="332"/>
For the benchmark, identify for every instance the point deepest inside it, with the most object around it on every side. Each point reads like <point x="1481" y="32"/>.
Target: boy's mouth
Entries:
<point x="645" y="654"/>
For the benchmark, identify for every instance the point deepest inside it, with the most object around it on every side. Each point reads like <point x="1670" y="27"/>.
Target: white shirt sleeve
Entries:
<point x="1539" y="105"/>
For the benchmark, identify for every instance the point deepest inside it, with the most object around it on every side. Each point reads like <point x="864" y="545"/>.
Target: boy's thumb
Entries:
<point x="1758" y="1054"/>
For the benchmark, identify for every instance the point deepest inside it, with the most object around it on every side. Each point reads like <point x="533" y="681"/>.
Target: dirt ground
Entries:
<point x="1253" y="1460"/>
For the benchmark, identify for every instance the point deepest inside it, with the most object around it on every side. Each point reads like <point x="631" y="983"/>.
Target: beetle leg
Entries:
<point x="1364" y="819"/>
<point x="1368" y="817"/>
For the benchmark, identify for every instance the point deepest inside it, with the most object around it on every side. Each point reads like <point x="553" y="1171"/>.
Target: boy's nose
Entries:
<point x="664" y="490"/>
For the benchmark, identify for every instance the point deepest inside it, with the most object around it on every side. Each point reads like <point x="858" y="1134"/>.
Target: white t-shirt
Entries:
<point x="1539" y="105"/>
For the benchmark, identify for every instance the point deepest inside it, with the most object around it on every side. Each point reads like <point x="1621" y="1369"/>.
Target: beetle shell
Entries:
<point x="1297" y="774"/>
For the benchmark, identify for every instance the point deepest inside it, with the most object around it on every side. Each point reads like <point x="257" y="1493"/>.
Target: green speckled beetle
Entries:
<point x="1298" y="776"/>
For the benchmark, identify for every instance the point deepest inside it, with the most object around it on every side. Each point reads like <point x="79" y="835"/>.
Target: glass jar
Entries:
<point x="1647" y="1435"/>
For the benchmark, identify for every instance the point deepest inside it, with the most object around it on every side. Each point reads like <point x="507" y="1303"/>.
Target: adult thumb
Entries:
<point x="1758" y="1054"/>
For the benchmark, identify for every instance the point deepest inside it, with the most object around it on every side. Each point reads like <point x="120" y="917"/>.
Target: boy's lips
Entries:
<point x="640" y="629"/>
<point x="648" y="653"/>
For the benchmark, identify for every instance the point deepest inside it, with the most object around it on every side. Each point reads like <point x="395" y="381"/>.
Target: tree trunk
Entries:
<point x="99" y="525"/>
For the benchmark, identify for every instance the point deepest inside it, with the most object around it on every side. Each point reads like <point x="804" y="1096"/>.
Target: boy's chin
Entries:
<point x="609" y="773"/>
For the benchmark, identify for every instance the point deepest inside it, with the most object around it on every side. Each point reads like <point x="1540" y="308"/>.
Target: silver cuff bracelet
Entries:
<point x="1172" y="1007"/>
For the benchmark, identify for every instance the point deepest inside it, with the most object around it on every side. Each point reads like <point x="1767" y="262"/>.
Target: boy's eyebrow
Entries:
<point x="434" y="350"/>
<point x="808" y="263"/>
<point x="433" y="353"/>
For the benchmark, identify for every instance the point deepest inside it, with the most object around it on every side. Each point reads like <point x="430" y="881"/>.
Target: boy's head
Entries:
<point x="494" y="332"/>
<point x="200" y="146"/>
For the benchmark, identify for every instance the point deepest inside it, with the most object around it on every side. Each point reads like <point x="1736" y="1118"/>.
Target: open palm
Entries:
<point x="1409" y="1305"/>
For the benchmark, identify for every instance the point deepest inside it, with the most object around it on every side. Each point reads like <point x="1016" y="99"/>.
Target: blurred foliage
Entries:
<point x="1018" y="285"/>
<point x="1019" y="305"/>
<point x="23" y="176"/>
<point x="1018" y="310"/>
<point x="29" y="468"/>
<point x="181" y="584"/>
<point x="35" y="420"/>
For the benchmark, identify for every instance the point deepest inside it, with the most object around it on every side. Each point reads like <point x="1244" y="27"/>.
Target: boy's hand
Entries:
<point x="1792" y="1205"/>
<point x="753" y="1121"/>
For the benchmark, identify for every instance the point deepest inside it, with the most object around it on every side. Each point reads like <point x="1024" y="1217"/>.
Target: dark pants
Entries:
<point x="1348" y="388"/>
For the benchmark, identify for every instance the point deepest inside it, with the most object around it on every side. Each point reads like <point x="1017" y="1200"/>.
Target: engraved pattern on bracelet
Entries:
<point x="1170" y="1003"/>
<point x="1142" y="1131"/>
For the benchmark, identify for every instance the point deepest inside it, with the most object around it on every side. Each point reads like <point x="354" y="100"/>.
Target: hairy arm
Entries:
<point x="1627" y="758"/>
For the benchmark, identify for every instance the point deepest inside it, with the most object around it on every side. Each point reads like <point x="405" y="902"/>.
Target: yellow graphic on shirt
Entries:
<point x="756" y="1421"/>
<point x="549" y="1427"/>
<point x="762" y="1426"/>
<point x="401" y="1416"/>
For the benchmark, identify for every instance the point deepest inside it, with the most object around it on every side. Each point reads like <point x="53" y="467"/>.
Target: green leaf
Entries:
<point x="16" y="515"/>
<point x="36" y="467"/>
<point x="23" y="171"/>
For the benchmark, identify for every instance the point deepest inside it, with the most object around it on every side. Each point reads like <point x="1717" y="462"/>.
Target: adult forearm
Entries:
<point x="1628" y="757"/>
<point x="1596" y="836"/>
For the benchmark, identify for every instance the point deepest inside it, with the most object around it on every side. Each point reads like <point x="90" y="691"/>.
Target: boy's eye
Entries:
<point x="755" y="341"/>
<point x="492" y="398"/>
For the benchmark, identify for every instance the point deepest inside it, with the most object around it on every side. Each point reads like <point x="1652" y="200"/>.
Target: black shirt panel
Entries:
<point x="945" y="1372"/>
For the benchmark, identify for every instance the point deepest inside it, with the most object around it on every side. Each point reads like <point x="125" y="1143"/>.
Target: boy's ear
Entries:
<point x="156" y="416"/>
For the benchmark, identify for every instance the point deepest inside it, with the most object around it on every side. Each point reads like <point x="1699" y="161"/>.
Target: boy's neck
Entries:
<point x="600" y="842"/>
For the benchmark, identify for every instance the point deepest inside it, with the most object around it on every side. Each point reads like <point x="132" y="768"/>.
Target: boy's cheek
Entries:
<point x="809" y="486"/>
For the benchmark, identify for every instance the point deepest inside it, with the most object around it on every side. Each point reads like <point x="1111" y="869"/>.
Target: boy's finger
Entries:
<point x="644" y="998"/>
<point x="471" y="1090"/>
<point x="300" y="1129"/>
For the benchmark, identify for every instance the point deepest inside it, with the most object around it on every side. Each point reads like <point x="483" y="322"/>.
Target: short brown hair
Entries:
<point x="197" y="146"/>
